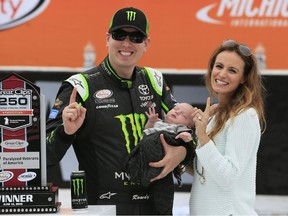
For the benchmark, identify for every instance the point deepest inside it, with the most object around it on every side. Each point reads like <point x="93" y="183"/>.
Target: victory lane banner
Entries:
<point x="19" y="200"/>
<point x="22" y="133"/>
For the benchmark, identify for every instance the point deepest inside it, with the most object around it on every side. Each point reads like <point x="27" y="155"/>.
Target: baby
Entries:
<point x="178" y="120"/>
<point x="177" y="131"/>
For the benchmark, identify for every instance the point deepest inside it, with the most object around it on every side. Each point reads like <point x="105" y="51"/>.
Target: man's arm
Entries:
<point x="57" y="140"/>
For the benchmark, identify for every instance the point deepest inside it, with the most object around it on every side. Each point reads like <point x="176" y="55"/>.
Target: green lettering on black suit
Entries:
<point x="136" y="122"/>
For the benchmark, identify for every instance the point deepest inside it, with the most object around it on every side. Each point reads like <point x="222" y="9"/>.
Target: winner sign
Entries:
<point x="22" y="133"/>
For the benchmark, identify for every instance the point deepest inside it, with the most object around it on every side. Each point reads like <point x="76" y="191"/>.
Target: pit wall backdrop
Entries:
<point x="183" y="32"/>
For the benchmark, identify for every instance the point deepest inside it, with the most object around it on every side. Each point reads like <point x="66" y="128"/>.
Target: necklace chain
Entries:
<point x="202" y="178"/>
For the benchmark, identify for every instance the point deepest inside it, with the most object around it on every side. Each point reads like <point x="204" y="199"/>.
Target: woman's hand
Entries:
<point x="201" y="120"/>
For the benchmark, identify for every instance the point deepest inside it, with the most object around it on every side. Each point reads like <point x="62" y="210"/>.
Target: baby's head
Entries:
<point x="181" y="114"/>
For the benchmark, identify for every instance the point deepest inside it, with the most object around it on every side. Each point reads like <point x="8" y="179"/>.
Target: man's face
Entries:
<point x="125" y="53"/>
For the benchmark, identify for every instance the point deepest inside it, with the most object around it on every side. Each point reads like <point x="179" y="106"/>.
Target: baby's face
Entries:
<point x="180" y="114"/>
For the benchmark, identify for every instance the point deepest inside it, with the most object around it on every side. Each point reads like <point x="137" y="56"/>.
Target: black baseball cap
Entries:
<point x="130" y="17"/>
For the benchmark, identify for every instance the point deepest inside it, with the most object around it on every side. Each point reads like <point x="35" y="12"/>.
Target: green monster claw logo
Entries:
<point x="137" y="122"/>
<point x="131" y="15"/>
<point x="78" y="186"/>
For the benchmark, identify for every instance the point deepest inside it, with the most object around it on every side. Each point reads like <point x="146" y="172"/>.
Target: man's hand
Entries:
<point x="73" y="115"/>
<point x="173" y="157"/>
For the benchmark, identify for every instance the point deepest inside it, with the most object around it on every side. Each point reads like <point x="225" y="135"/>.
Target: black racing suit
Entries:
<point x="113" y="126"/>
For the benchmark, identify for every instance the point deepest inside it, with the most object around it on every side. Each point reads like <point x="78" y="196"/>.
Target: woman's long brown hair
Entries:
<point x="247" y="95"/>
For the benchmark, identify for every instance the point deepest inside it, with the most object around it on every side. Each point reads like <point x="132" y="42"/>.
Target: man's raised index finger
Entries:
<point x="73" y="96"/>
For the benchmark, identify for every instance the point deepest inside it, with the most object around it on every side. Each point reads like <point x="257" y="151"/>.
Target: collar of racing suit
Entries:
<point x="109" y="71"/>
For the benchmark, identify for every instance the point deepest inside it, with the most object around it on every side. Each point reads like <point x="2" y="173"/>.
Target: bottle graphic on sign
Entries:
<point x="260" y="54"/>
<point x="6" y="121"/>
<point x="89" y="56"/>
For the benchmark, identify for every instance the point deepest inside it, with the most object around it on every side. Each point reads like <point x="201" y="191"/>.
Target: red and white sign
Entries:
<point x="16" y="12"/>
<point x="246" y="13"/>
<point x="20" y="134"/>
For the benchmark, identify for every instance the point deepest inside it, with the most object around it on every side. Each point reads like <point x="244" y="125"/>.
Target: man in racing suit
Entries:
<point x="112" y="109"/>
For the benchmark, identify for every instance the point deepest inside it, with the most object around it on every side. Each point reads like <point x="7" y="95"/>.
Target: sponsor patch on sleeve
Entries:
<point x="53" y="114"/>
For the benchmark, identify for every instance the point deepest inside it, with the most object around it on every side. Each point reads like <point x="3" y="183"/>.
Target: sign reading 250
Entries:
<point x="15" y="99"/>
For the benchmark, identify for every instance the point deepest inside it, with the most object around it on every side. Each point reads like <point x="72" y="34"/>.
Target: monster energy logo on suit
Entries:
<point x="78" y="190"/>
